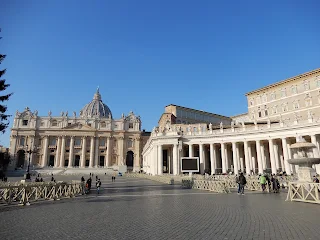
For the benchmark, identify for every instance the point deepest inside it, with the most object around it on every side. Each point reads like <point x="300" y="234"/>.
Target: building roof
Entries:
<point x="239" y="115"/>
<point x="200" y="111"/>
<point x="306" y="74"/>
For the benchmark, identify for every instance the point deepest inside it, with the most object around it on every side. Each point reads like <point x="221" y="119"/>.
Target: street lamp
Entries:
<point x="30" y="151"/>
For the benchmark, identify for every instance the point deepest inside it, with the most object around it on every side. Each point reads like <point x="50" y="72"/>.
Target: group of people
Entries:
<point x="89" y="182"/>
<point x="264" y="180"/>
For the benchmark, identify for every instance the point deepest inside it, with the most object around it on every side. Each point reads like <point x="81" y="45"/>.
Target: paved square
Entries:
<point x="134" y="208"/>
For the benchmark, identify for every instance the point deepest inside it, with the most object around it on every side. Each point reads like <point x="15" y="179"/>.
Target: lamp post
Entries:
<point x="30" y="151"/>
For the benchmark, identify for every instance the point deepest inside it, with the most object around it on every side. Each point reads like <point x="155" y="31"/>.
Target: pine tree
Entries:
<point x="3" y="108"/>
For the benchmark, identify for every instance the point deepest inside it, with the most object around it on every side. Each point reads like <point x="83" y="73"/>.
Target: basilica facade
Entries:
<point x="90" y="140"/>
<point x="254" y="142"/>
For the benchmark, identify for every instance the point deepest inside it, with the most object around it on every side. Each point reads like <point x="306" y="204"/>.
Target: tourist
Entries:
<point x="243" y="182"/>
<point x="238" y="182"/>
<point x="98" y="184"/>
<point x="82" y="179"/>
<point x="315" y="179"/>
<point x="275" y="184"/>
<point x="263" y="181"/>
<point x="52" y="178"/>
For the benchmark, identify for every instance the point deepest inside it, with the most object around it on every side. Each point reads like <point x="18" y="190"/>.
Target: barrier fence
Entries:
<point x="25" y="193"/>
<point x="304" y="192"/>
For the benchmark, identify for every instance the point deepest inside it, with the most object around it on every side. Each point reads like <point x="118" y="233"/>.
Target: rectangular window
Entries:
<point x="102" y="142"/>
<point x="129" y="143"/>
<point x="24" y="122"/>
<point x="131" y="125"/>
<point x="52" y="142"/>
<point x="77" y="142"/>
<point x="22" y="141"/>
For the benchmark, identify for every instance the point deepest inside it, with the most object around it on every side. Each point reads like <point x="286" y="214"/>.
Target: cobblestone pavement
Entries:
<point x="143" y="209"/>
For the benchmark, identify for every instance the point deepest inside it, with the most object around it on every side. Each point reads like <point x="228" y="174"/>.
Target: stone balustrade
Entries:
<point x="29" y="192"/>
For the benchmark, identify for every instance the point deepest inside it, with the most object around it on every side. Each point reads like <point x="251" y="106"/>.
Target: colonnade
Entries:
<point x="248" y="156"/>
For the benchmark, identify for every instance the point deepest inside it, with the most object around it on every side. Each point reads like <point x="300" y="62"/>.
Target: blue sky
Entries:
<point x="147" y="54"/>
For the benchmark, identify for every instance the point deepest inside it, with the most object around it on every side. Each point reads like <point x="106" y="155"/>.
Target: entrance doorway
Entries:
<point x="51" y="161"/>
<point x="87" y="163"/>
<point x="21" y="156"/>
<point x="129" y="159"/>
<point x="77" y="161"/>
<point x="66" y="162"/>
<point x="101" y="161"/>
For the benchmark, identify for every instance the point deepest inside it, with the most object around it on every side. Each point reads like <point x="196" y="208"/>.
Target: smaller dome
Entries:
<point x="96" y="108"/>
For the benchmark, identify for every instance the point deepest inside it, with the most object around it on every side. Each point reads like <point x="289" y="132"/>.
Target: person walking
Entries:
<point x="98" y="185"/>
<point x="238" y="182"/>
<point x="263" y="181"/>
<point x="243" y="182"/>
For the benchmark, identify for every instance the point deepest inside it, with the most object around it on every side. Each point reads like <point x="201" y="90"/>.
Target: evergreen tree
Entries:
<point x="3" y="108"/>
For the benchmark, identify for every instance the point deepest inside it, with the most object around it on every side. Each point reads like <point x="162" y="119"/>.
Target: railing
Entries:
<point x="213" y="186"/>
<point x="303" y="192"/>
<point x="26" y="193"/>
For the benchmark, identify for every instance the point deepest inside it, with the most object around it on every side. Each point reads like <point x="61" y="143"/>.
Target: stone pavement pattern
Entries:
<point x="143" y="209"/>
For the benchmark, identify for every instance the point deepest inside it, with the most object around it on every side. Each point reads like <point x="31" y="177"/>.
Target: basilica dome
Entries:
<point x="96" y="108"/>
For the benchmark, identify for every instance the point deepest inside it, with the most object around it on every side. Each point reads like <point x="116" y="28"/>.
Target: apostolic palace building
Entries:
<point x="255" y="142"/>
<point x="92" y="139"/>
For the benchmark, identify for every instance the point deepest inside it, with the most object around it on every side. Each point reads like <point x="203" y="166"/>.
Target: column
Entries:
<point x="223" y="157"/>
<point x="276" y="155"/>
<point x="45" y="152"/>
<point x="201" y="155"/>
<point x="246" y="157"/>
<point x="250" y="157"/>
<point x="263" y="157"/>
<point x="108" y="156"/>
<point x="83" y="152"/>
<point x="96" y="154"/>
<point x="258" y="148"/>
<point x="213" y="159"/>
<point x="272" y="158"/>
<point x="71" y="152"/>
<point x="137" y="154"/>
<point x="57" y="160"/>
<point x="63" y="150"/>
<point x="315" y="151"/>
<point x="285" y="156"/>
<point x="120" y="147"/>
<point x="235" y="159"/>
<point x="155" y="161"/>
<point x="190" y="150"/>
<point x="239" y="159"/>
<point x="169" y="160"/>
<point x="175" y="159"/>
<point x="160" y="160"/>
<point x="91" y="152"/>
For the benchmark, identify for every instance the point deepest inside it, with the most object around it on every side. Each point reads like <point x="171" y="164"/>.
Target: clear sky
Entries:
<point x="147" y="54"/>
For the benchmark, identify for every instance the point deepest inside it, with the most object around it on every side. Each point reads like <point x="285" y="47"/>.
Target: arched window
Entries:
<point x="308" y="100"/>
<point x="103" y="124"/>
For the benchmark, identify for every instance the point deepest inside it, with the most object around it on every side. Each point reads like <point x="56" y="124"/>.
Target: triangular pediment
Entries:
<point x="78" y="126"/>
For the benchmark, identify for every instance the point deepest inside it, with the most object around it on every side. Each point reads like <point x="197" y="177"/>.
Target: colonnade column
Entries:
<point x="223" y="157"/>
<point x="190" y="150"/>
<point x="234" y="156"/>
<point x="272" y="159"/>
<point x="45" y="152"/>
<point x="71" y="152"/>
<point x="83" y="152"/>
<point x="212" y="158"/>
<point x="250" y="157"/>
<point x="246" y="157"/>
<point x="175" y="159"/>
<point x="57" y="160"/>
<point x="154" y="160"/>
<point x="276" y="155"/>
<point x="108" y="156"/>
<point x="285" y="156"/>
<point x="63" y="150"/>
<point x="201" y="155"/>
<point x="136" y="163"/>
<point x="160" y="160"/>
<point x="315" y="151"/>
<point x="91" y="152"/>
<point x="258" y="148"/>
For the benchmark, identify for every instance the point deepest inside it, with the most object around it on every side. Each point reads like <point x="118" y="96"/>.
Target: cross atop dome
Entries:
<point x="97" y="95"/>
